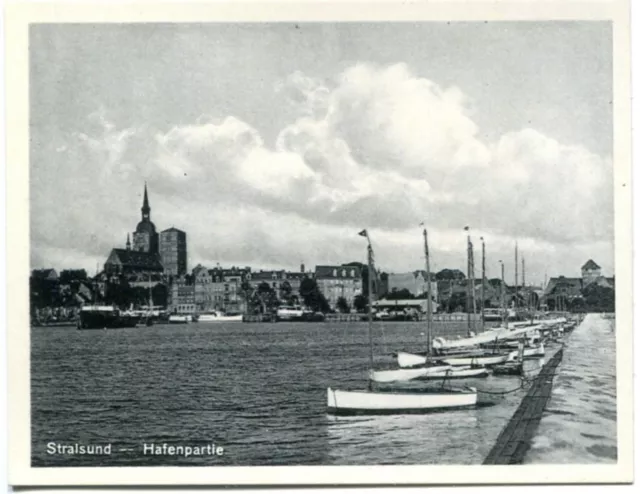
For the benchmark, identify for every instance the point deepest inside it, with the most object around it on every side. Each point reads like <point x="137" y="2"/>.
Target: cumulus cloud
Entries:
<point x="376" y="147"/>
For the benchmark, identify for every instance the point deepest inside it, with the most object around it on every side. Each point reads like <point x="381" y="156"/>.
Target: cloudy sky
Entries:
<point x="274" y="144"/>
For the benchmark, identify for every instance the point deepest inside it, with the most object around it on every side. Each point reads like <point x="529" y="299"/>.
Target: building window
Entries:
<point x="335" y="272"/>
<point x="344" y="273"/>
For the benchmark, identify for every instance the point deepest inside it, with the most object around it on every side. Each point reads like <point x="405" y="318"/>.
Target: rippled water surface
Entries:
<point x="259" y="390"/>
<point x="579" y="423"/>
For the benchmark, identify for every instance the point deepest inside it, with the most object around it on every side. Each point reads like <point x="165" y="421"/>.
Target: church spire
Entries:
<point x="146" y="210"/>
<point x="128" y="242"/>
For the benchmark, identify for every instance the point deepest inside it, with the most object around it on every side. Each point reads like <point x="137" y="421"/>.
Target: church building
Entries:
<point x="144" y="257"/>
<point x="145" y="238"/>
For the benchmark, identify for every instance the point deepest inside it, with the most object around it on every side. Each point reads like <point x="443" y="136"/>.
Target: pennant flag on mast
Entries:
<point x="363" y="233"/>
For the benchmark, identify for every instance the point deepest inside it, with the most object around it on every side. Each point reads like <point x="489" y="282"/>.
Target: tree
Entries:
<point x="599" y="298"/>
<point x="360" y="303"/>
<point x="160" y="294"/>
<point x="44" y="292"/>
<point x="119" y="292"/>
<point x="69" y="275"/>
<point x="342" y="305"/>
<point x="312" y="296"/>
<point x="286" y="292"/>
<point x="450" y="274"/>
<point x="399" y="294"/>
<point x="457" y="302"/>
<point x="266" y="297"/>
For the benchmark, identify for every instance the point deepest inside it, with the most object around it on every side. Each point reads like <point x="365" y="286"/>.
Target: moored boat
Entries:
<point x="406" y="359"/>
<point x="464" y="372"/>
<point x="215" y="316"/>
<point x="394" y="375"/>
<point x="289" y="313"/>
<point x="394" y="401"/>
<point x="180" y="318"/>
<point x="399" y="401"/>
<point x="486" y="359"/>
<point x="105" y="317"/>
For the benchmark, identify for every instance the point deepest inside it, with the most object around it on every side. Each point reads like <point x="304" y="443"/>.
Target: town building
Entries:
<point x="220" y="289"/>
<point x="286" y="284"/>
<point x="561" y="292"/>
<point x="127" y="261"/>
<point x="182" y="299"/>
<point x="414" y="282"/>
<point x="173" y="251"/>
<point x="590" y="272"/>
<point x="339" y="281"/>
<point x="45" y="274"/>
<point x="151" y="257"/>
<point x="145" y="238"/>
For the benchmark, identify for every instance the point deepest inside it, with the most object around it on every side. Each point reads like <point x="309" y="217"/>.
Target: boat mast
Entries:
<point x="150" y="295"/>
<point x="370" y="288"/>
<point x="365" y="234"/>
<point x="472" y="265"/>
<point x="502" y="295"/>
<point x="516" y="278"/>
<point x="468" y="304"/>
<point x="482" y="287"/>
<point x="429" y="306"/>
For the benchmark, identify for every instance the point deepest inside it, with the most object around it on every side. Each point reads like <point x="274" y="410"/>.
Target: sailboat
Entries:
<point x="394" y="401"/>
<point x="423" y="366"/>
<point x="471" y="359"/>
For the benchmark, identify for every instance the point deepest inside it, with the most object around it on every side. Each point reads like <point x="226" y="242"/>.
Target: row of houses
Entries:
<point x="452" y="294"/>
<point x="218" y="288"/>
<point x="208" y="289"/>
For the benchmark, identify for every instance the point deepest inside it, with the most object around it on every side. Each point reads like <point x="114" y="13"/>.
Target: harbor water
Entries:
<point x="259" y="391"/>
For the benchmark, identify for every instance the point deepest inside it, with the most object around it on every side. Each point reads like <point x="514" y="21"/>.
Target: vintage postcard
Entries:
<point x="307" y="243"/>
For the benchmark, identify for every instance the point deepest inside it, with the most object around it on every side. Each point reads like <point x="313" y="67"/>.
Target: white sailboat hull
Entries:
<point x="388" y="376"/>
<point x="180" y="319"/>
<point x="537" y="351"/>
<point x="477" y="360"/>
<point x="458" y="373"/>
<point x="207" y="318"/>
<point x="397" y="402"/>
<point x="490" y="336"/>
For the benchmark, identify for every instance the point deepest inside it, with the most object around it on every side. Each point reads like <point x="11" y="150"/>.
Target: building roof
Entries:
<point x="135" y="259"/>
<point x="173" y="229"/>
<point x="341" y="272"/>
<point x="44" y="273"/>
<point x="590" y="264"/>
<point x="573" y="286"/>
<point x="146" y="226"/>
<point x="420" y="273"/>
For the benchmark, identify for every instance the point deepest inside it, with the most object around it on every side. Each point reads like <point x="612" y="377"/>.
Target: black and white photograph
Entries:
<point x="357" y="242"/>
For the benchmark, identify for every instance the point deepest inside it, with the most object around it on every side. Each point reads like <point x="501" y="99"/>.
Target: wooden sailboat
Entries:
<point x="394" y="401"/>
<point x="472" y="361"/>
<point x="423" y="366"/>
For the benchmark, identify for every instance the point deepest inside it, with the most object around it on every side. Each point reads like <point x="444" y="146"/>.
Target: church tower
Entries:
<point x="145" y="238"/>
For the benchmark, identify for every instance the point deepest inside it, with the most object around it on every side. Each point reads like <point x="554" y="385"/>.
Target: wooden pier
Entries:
<point x="515" y="439"/>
